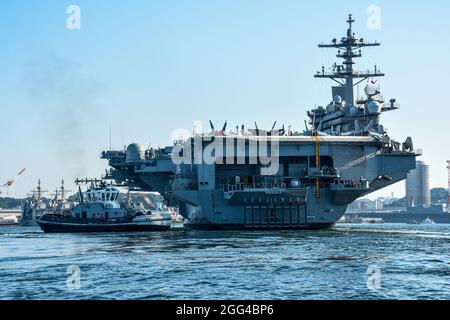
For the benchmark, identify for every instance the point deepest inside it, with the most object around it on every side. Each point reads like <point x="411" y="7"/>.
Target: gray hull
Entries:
<point x="222" y="180"/>
<point x="28" y="223"/>
<point x="270" y="227"/>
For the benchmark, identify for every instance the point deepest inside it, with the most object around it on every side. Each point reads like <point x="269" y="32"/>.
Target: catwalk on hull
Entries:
<point x="279" y="179"/>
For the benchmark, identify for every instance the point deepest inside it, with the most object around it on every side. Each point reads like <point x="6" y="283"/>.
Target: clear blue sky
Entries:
<point x="149" y="67"/>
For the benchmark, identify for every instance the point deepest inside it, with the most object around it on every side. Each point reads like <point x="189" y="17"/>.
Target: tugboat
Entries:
<point x="99" y="210"/>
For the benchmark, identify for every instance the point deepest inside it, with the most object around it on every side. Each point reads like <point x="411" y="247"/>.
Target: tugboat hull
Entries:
<point x="53" y="227"/>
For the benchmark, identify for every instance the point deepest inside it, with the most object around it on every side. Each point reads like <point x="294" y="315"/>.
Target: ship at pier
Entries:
<point x="342" y="154"/>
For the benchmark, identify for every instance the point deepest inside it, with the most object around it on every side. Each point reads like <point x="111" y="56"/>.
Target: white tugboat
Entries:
<point x="99" y="210"/>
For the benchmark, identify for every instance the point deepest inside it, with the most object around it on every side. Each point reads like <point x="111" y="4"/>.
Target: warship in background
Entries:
<point x="345" y="153"/>
<point x="33" y="207"/>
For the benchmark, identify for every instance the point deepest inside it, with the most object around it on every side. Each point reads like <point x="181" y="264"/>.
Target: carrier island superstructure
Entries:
<point x="280" y="179"/>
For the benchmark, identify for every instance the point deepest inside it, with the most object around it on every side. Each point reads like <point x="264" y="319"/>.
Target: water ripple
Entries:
<point x="414" y="262"/>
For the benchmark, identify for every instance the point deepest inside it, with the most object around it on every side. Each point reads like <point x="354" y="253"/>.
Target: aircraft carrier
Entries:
<point x="280" y="179"/>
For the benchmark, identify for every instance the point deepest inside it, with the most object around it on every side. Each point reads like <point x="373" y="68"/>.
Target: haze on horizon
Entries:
<point x="149" y="67"/>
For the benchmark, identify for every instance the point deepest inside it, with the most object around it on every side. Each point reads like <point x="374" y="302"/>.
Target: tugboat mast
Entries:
<point x="344" y="74"/>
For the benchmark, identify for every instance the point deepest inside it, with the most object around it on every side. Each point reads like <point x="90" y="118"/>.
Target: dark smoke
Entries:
<point x="62" y="95"/>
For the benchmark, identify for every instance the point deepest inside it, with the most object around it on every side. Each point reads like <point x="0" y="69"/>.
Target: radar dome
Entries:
<point x="295" y="183"/>
<point x="337" y="99"/>
<point x="371" y="90"/>
<point x="374" y="107"/>
<point x="135" y="153"/>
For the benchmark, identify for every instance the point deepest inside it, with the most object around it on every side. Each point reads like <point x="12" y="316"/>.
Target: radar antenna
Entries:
<point x="344" y="74"/>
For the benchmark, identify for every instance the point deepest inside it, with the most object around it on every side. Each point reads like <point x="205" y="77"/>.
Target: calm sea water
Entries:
<point x="413" y="263"/>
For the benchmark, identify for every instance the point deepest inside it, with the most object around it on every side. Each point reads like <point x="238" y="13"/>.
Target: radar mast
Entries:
<point x="349" y="48"/>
